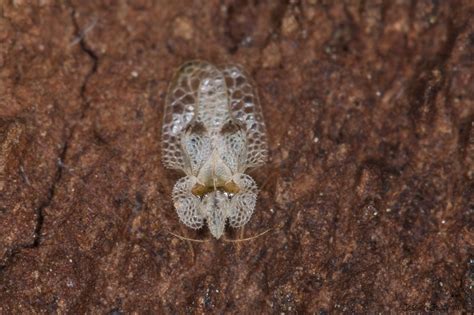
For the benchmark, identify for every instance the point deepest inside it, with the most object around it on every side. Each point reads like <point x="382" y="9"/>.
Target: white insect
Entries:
<point x="213" y="131"/>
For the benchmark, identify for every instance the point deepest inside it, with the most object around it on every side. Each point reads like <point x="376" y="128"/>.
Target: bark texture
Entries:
<point x="369" y="191"/>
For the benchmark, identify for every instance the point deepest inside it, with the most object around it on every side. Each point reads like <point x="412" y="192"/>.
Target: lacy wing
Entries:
<point x="245" y="108"/>
<point x="180" y="110"/>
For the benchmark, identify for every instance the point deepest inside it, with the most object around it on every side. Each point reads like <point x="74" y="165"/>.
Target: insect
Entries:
<point x="213" y="131"/>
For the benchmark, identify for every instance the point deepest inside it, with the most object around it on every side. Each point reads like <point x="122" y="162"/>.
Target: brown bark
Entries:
<point x="369" y="191"/>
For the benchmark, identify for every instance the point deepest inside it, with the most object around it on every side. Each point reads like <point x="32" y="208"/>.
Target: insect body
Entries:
<point x="213" y="131"/>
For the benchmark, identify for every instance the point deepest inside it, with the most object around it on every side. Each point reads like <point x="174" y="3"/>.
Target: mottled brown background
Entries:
<point x="369" y="191"/>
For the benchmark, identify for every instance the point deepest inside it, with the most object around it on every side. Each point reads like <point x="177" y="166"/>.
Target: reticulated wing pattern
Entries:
<point x="215" y="207"/>
<point x="243" y="203"/>
<point x="213" y="110"/>
<point x="245" y="108"/>
<point x="186" y="204"/>
<point x="181" y="108"/>
<point x="197" y="148"/>
<point x="232" y="147"/>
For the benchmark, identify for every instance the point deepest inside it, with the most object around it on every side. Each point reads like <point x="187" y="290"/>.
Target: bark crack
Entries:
<point x="69" y="132"/>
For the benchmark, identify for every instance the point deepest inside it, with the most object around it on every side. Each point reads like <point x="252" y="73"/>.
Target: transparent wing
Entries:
<point x="181" y="107"/>
<point x="245" y="108"/>
<point x="243" y="203"/>
<point x="186" y="203"/>
<point x="196" y="146"/>
<point x="215" y="206"/>
<point x="232" y="146"/>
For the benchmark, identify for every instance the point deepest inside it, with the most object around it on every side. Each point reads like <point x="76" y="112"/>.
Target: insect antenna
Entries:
<point x="248" y="238"/>
<point x="183" y="238"/>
